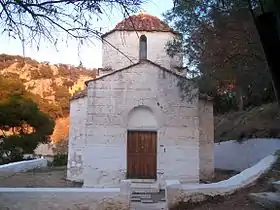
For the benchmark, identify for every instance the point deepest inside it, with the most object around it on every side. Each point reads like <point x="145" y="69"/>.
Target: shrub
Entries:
<point x="60" y="160"/>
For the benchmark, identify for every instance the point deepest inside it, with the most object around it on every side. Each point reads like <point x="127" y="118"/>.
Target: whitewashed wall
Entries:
<point x="194" y="193"/>
<point x="66" y="198"/>
<point x="206" y="140"/>
<point x="78" y="109"/>
<point x="128" y="43"/>
<point x="44" y="149"/>
<point x="22" y="166"/>
<point x="239" y="156"/>
<point x="110" y="100"/>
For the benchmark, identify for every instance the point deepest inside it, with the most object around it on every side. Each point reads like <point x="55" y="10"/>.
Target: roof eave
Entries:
<point x="113" y="30"/>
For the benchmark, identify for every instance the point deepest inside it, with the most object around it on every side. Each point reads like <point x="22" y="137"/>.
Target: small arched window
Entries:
<point x="143" y="47"/>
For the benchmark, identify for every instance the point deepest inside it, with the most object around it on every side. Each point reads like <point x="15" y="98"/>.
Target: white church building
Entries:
<point x="131" y="122"/>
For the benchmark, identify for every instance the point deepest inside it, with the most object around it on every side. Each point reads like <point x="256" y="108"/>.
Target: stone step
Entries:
<point x="147" y="206"/>
<point x="141" y="196"/>
<point x="145" y="187"/>
<point x="267" y="200"/>
<point x="148" y="201"/>
<point x="276" y="185"/>
<point x="135" y="199"/>
<point x="163" y="199"/>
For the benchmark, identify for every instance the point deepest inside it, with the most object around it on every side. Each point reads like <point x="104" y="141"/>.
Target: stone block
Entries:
<point x="125" y="187"/>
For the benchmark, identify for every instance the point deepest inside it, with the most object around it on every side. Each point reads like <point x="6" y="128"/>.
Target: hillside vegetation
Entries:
<point x="50" y="86"/>
<point x="257" y="122"/>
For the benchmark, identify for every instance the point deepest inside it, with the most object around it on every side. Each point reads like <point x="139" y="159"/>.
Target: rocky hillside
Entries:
<point x="53" y="84"/>
<point x="257" y="122"/>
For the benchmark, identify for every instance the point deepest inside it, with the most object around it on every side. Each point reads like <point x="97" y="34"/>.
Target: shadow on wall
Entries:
<point x="236" y="156"/>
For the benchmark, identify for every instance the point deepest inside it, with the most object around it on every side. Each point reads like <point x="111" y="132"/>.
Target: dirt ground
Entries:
<point x="239" y="200"/>
<point x="56" y="177"/>
<point x="49" y="177"/>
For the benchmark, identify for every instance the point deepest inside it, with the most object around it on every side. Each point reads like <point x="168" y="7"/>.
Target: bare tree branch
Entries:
<point x="36" y="19"/>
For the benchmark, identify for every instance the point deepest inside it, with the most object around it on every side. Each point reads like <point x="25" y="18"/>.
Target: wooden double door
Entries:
<point x="141" y="155"/>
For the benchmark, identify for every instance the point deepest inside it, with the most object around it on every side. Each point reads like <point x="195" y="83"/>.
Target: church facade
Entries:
<point x="132" y="121"/>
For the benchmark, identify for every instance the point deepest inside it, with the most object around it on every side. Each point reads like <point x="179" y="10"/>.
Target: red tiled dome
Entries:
<point x="143" y="22"/>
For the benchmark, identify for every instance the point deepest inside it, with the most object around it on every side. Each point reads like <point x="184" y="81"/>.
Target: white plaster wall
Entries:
<point x="22" y="166"/>
<point x="232" y="155"/>
<point x="76" y="144"/>
<point x="44" y="149"/>
<point x="110" y="100"/>
<point x="195" y="193"/>
<point x="128" y="43"/>
<point x="206" y="139"/>
<point x="65" y="198"/>
<point x="141" y="118"/>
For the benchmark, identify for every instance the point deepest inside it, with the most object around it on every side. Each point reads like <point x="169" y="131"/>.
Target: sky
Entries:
<point x="90" y="54"/>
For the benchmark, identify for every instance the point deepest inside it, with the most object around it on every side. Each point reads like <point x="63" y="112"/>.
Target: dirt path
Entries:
<point x="49" y="177"/>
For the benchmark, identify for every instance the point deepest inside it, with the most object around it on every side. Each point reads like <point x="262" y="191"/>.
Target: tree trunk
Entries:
<point x="268" y="27"/>
<point x="239" y="96"/>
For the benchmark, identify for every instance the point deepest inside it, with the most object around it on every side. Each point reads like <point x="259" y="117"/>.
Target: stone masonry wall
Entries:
<point x="128" y="43"/>
<point x="111" y="98"/>
<point x="78" y="109"/>
<point x="206" y="140"/>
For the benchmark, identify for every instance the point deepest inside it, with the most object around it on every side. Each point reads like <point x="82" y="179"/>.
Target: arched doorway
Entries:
<point x="141" y="144"/>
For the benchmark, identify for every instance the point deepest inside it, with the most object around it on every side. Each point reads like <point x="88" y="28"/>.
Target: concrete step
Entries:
<point x="145" y="187"/>
<point x="276" y="185"/>
<point x="267" y="200"/>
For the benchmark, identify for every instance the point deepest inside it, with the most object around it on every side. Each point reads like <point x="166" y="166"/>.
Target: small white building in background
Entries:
<point x="131" y="122"/>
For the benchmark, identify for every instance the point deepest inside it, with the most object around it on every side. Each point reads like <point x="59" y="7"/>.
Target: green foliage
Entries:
<point x="220" y="41"/>
<point x="60" y="160"/>
<point x="9" y="86"/>
<point x="255" y="122"/>
<point x="60" y="150"/>
<point x="61" y="147"/>
<point x="20" y="118"/>
<point x="29" y="125"/>
<point x="62" y="96"/>
<point x="73" y="73"/>
<point x="26" y="119"/>
<point x="77" y="91"/>
<point x="51" y="109"/>
<point x="54" y="101"/>
<point x="42" y="72"/>
<point x="68" y="83"/>
<point x="225" y="102"/>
